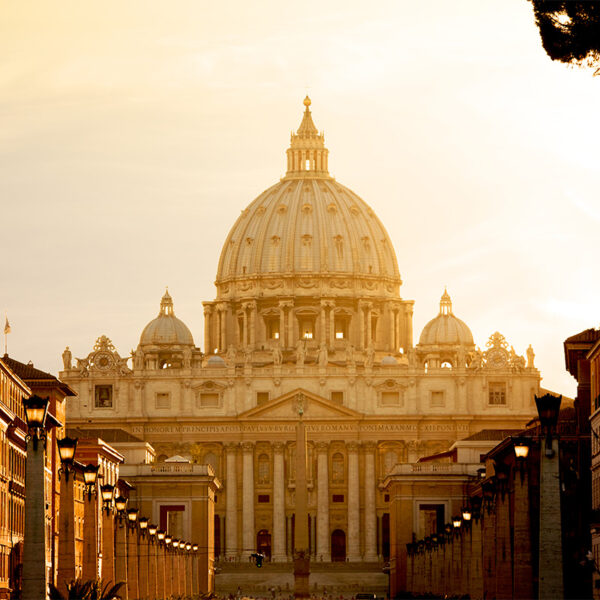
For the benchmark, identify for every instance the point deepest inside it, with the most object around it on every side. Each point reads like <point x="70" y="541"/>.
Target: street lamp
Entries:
<point x="195" y="547"/>
<point x="168" y="540"/>
<point x="36" y="409"/>
<point x="152" y="530"/>
<point x="161" y="536"/>
<point x="143" y="521"/>
<point x="467" y="516"/>
<point x="476" y="506"/>
<point x="107" y="492"/>
<point x="489" y="491"/>
<point x="90" y="477"/>
<point x="66" y="451"/>
<point x="548" y="407"/>
<point x="120" y="505"/>
<point x="132" y="516"/>
<point x="456" y="523"/>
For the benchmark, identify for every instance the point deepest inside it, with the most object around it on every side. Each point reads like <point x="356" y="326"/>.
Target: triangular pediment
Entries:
<point x="315" y="407"/>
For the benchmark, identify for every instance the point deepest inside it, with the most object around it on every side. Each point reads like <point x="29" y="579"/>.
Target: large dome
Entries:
<point x="308" y="225"/>
<point x="166" y="329"/>
<point x="446" y="328"/>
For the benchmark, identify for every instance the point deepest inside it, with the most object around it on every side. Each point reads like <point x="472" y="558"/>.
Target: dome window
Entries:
<point x="446" y="364"/>
<point x="272" y="327"/>
<point x="341" y="327"/>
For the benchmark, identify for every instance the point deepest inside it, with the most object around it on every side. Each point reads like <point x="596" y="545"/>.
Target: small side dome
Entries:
<point x="166" y="329"/>
<point x="389" y="361"/>
<point x="215" y="361"/>
<point x="446" y="328"/>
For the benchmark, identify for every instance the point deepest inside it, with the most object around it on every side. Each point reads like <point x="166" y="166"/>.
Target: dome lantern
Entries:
<point x="307" y="155"/>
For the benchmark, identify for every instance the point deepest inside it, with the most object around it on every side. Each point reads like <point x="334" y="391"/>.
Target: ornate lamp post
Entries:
<point x="121" y="566"/>
<point x="152" y="562"/>
<point x="34" y="550"/>
<point x="550" y="547"/>
<point x="107" y="570"/>
<point x="195" y="581"/>
<point x="90" y="564"/>
<point x="161" y="562"/>
<point x="66" y="518"/>
<point x="143" y="556"/>
<point x="132" y="553"/>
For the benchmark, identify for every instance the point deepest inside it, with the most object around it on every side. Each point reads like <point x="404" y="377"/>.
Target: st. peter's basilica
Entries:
<point x="308" y="314"/>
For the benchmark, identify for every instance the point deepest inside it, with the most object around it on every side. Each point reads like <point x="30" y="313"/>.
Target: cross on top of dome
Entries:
<point x="307" y="155"/>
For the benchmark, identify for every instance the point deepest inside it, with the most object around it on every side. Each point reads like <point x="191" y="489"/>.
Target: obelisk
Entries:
<point x="301" y="549"/>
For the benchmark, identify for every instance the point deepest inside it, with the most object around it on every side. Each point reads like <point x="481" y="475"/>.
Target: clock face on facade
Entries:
<point x="496" y="358"/>
<point x="103" y="360"/>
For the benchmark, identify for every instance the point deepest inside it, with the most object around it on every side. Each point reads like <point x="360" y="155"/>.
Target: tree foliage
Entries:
<point x="570" y="31"/>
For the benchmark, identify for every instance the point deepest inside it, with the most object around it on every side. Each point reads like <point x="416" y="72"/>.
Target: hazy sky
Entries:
<point x="133" y="133"/>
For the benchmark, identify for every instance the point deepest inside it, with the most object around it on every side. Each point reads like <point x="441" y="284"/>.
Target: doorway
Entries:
<point x="263" y="543"/>
<point x="338" y="546"/>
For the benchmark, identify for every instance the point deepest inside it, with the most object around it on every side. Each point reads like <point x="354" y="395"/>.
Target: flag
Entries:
<point x="7" y="327"/>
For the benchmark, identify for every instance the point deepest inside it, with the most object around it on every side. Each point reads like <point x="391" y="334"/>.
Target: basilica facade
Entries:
<point x="308" y="319"/>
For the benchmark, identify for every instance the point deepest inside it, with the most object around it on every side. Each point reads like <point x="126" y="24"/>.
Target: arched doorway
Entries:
<point x="263" y="543"/>
<point x="338" y="546"/>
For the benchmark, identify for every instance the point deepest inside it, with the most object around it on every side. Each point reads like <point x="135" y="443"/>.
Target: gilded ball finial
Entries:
<point x="307" y="101"/>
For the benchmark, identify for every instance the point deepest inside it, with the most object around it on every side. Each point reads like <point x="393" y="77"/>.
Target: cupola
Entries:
<point x="446" y="328"/>
<point x="307" y="155"/>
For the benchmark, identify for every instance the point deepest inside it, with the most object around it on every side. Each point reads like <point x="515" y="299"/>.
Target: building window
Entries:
<point x="264" y="498"/>
<point x="262" y="397"/>
<point x="437" y="399"/>
<point x="337" y="498"/>
<point x="264" y="469"/>
<point x="163" y="400"/>
<point x="208" y="399"/>
<point x="390" y="398"/>
<point x="337" y="397"/>
<point x="497" y="393"/>
<point x="103" y="396"/>
<point x="337" y="468"/>
<point x="386" y="497"/>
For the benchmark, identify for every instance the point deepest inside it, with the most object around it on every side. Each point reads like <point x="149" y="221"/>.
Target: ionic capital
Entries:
<point x="278" y="447"/>
<point x="322" y="446"/>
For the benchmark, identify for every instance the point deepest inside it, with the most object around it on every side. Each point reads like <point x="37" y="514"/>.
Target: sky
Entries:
<point x="133" y="133"/>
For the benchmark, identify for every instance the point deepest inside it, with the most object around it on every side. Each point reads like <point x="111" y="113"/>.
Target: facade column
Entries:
<point x="207" y="326"/>
<point x="331" y="324"/>
<point x="370" y="510"/>
<point x="279" y="554"/>
<point x="248" y="537"/>
<point x="121" y="553"/>
<point x="222" y="328"/>
<point x="323" y="325"/>
<point x="252" y="324"/>
<point x="353" y="503"/>
<point x="369" y="325"/>
<point x="323" y="549"/>
<point x="282" y="335"/>
<point x="245" y="320"/>
<point x="132" y="562"/>
<point x="361" y="322"/>
<point x="292" y="335"/>
<point x="231" y="540"/>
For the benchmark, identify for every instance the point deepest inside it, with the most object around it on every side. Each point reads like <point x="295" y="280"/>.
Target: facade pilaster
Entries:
<point x="370" y="510"/>
<point x="353" y="503"/>
<point x="279" y="554"/>
<point x="231" y="541"/>
<point x="252" y="306"/>
<point x="207" y="326"/>
<point x="323" y="546"/>
<point x="361" y="321"/>
<point x="323" y="323"/>
<point x="248" y="538"/>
